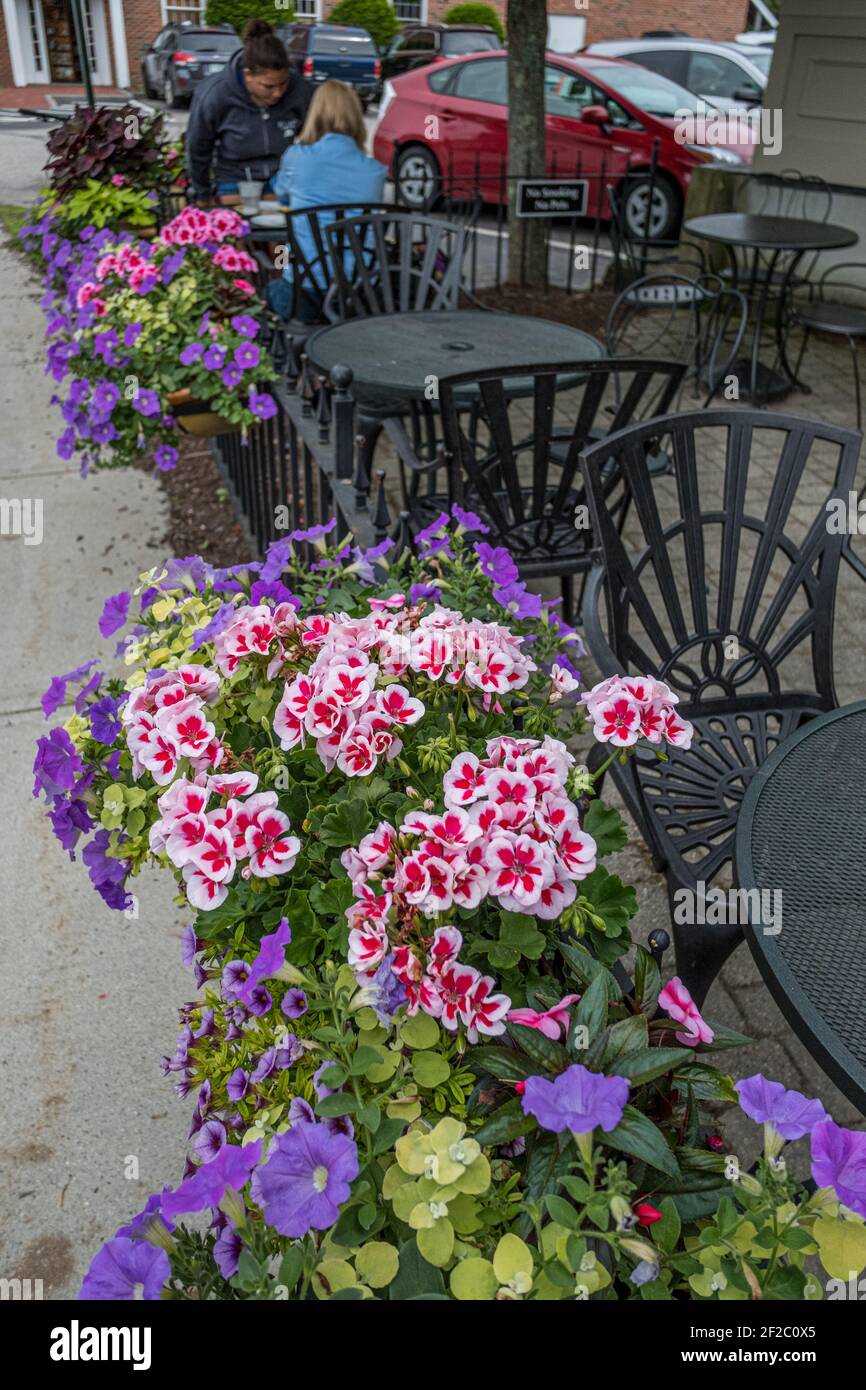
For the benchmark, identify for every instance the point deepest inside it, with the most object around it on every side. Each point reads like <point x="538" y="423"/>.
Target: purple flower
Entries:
<point x="54" y="696"/>
<point x="518" y="601"/>
<point x="189" y="944"/>
<point x="131" y="334"/>
<point x="301" y="1110"/>
<point x="470" y="521"/>
<point x="191" y="353"/>
<point x="767" y="1102"/>
<point x="577" y="1100"/>
<point x="644" y="1273"/>
<point x="308" y="1174"/>
<point x="294" y="1004"/>
<point x="209" y="1140"/>
<point x="243" y="324"/>
<point x="271" y="958"/>
<point x="435" y="527"/>
<point x="496" y="563"/>
<point x="260" y="1001"/>
<point x="247" y="355"/>
<point x="66" y="444"/>
<point x="235" y="972"/>
<point x="291" y="1051"/>
<point x="57" y="764"/>
<point x="165" y="457"/>
<point x="839" y="1161"/>
<point x="227" y="1252"/>
<point x="384" y="992"/>
<point x="237" y="1084"/>
<point x="205" y="1091"/>
<point x="151" y="1213"/>
<point x="261" y="404"/>
<point x="114" y="613"/>
<point x="171" y="265"/>
<point x="214" y="357"/>
<point x="146" y="402"/>
<point x="276" y="591"/>
<point x="265" y="1066"/>
<point x="105" y="397"/>
<point x="218" y="622"/>
<point x="126" y="1269"/>
<point x="104" y="723"/>
<point x="231" y="375"/>
<point x="206" y="1186"/>
<point x="312" y="533"/>
<point x="424" y="593"/>
<point x="69" y="820"/>
<point x="319" y="1087"/>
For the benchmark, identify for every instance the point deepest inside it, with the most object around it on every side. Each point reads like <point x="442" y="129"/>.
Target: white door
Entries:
<point x="31" y="39"/>
<point x="96" y="41"/>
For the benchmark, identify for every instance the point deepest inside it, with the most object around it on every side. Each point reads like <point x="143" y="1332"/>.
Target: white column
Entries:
<point x="118" y="37"/>
<point x="16" y="53"/>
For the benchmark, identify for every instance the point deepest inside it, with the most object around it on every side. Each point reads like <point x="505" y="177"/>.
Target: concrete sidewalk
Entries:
<point x="88" y="998"/>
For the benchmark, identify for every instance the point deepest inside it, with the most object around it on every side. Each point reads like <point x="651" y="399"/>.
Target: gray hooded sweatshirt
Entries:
<point x="228" y="134"/>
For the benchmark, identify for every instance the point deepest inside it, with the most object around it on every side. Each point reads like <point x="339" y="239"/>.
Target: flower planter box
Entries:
<point x="194" y="416"/>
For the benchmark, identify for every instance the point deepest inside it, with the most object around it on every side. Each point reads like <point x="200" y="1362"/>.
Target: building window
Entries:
<point x="186" y="9"/>
<point x="410" y="11"/>
<point x="307" y="9"/>
<point x="35" y="37"/>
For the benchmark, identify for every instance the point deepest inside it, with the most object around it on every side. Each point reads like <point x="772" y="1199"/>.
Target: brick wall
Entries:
<point x="143" y="23"/>
<point x="6" y="79"/>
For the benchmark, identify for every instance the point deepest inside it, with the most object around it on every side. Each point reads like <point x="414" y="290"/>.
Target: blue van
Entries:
<point x="320" y="51"/>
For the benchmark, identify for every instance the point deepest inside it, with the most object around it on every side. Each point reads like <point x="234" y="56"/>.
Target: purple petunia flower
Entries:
<point x="235" y="972"/>
<point x="104" y="723"/>
<point x="308" y="1174"/>
<point x="209" y="1140"/>
<point x="839" y="1161"/>
<point x="319" y="1087"/>
<point x="289" y="1052"/>
<point x="165" y="457"/>
<point x="171" y="265"/>
<point x="191" y="353"/>
<point x="578" y="1100"/>
<point x="301" y="1111"/>
<point x="262" y="404"/>
<point x="114" y="613"/>
<point x="243" y="324"/>
<point x="644" y="1273"/>
<point x="260" y="1001"/>
<point x="206" y="1186"/>
<point x="227" y="1252"/>
<point x="238" y="1084"/>
<point x="146" y="402"/>
<point x="231" y="375"/>
<point x="126" y="1269"/>
<point x="54" y="696"/>
<point x="147" y="1217"/>
<point x="105" y="871"/>
<point x="217" y="624"/>
<point x="294" y="1003"/>
<point x="247" y="355"/>
<point x="270" y="959"/>
<point x="424" y="593"/>
<point x="496" y="563"/>
<point x="69" y="821"/>
<point x="66" y="444"/>
<point x="470" y="521"/>
<point x="214" y="357"/>
<point x="383" y="992"/>
<point x="57" y="764"/>
<point x="189" y="945"/>
<point x="768" y="1102"/>
<point x="518" y="601"/>
<point x="265" y="1066"/>
<point x="131" y="334"/>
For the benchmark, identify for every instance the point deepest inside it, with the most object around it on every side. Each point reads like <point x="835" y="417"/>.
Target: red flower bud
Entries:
<point x="520" y="1087"/>
<point x="647" y="1215"/>
<point x="715" y="1142"/>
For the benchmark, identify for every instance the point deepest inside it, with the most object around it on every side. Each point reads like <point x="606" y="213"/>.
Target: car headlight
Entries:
<point x="714" y="154"/>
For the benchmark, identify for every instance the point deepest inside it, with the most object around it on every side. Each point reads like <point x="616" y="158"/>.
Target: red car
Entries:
<point x="447" y="126"/>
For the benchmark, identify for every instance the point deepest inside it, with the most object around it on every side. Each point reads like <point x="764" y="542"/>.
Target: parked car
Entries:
<point x="183" y="55"/>
<point x="419" y="44"/>
<point x="603" y="113"/>
<point x="727" y="75"/>
<point x="320" y="51"/>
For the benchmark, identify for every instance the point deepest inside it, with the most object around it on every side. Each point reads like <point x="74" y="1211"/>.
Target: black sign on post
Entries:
<point x="551" y="197"/>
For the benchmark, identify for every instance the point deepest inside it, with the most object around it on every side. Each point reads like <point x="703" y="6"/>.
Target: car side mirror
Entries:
<point x="596" y="115"/>
<point x="748" y="96"/>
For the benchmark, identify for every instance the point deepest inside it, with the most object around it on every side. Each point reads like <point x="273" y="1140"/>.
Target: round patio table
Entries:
<point x="801" y="833"/>
<point x="395" y="355"/>
<point x="778" y="236"/>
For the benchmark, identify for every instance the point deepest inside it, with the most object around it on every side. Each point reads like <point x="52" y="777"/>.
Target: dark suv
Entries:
<point x="183" y="55"/>
<point x="419" y="44"/>
<point x="320" y="51"/>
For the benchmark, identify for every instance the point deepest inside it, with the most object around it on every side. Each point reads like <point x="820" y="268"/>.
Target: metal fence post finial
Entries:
<point x="344" y="420"/>
<point x="381" y="516"/>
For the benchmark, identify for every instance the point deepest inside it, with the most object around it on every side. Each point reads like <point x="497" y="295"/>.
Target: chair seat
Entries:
<point x="693" y="798"/>
<point x="516" y="388"/>
<point x="831" y="318"/>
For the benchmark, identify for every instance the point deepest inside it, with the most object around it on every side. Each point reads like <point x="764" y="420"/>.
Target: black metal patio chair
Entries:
<point x="637" y="256"/>
<point x="700" y="322"/>
<point x="789" y="193"/>
<point x="729" y="600"/>
<point x="519" y="469"/>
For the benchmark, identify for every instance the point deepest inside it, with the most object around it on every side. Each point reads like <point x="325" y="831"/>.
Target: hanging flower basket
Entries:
<point x="195" y="417"/>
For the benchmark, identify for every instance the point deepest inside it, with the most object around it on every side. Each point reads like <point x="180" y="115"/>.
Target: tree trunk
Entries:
<point x="527" y="41"/>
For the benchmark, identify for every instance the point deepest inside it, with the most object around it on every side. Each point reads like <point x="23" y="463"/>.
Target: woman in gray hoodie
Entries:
<point x="245" y="117"/>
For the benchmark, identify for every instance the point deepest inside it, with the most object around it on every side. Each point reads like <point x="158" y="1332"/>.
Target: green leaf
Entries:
<point x="562" y="1212"/>
<point x="377" y="1263"/>
<point x="607" y="828"/>
<point x="725" y="1037"/>
<point x="345" y="823"/>
<point x="362" y="1058"/>
<point x="420" y="1032"/>
<point x="647" y="982"/>
<point x="334" y="1106"/>
<point x="645" y="1065"/>
<point x="505" y="1063"/>
<point x="370" y="1116"/>
<point x="521" y="933"/>
<point x="474" y="1281"/>
<point x="387" y="1134"/>
<point x="611" y="899"/>
<point x="638" y="1136"/>
<point x="591" y="1011"/>
<point x="430" y="1069"/>
<point x="500" y="957"/>
<point x="666" y="1232"/>
<point x="552" y="1055"/>
<point x="415" y="1278"/>
<point x="332" y="898"/>
<point x="334" y="1077"/>
<point x="290" y="1267"/>
<point x="586" y="968"/>
<point x="506" y="1123"/>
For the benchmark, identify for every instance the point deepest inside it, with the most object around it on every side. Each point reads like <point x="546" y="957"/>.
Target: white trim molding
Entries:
<point x="13" y="38"/>
<point x="118" y="43"/>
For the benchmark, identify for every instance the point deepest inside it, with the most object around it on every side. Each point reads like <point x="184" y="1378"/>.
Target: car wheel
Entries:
<point x="418" y="178"/>
<point x="654" y="198"/>
<point x="169" y="96"/>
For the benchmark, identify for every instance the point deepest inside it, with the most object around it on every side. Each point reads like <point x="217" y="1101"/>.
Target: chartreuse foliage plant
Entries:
<point x="413" y="1072"/>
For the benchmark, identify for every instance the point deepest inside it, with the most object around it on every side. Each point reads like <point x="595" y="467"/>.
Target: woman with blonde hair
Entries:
<point x="328" y="164"/>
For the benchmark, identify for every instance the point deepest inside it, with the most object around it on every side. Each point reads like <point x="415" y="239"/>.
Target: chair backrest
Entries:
<point x="845" y="281"/>
<point x="396" y="263"/>
<point x="522" y="467"/>
<point x="792" y="194"/>
<point x="309" y="255"/>
<point x="723" y="583"/>
<point x="699" y="322"/>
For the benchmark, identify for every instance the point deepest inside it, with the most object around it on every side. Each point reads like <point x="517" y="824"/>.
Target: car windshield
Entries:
<point x="761" y="58"/>
<point x="452" y="44"/>
<point x="646" y="90"/>
<point x="343" y="43"/>
<point x="220" y="43"/>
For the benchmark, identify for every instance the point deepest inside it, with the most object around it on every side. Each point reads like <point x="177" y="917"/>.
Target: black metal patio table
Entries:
<point x="400" y="355"/>
<point x="790" y="236"/>
<point x="802" y="833"/>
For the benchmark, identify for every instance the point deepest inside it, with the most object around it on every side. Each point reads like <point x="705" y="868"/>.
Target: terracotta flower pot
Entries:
<point x="194" y="417"/>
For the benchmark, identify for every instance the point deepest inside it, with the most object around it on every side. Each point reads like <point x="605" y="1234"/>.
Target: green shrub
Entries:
<point x="237" y="12"/>
<point x="476" y="14"/>
<point x="376" y="16"/>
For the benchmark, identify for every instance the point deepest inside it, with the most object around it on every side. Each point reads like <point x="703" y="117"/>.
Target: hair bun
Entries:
<point x="256" y="29"/>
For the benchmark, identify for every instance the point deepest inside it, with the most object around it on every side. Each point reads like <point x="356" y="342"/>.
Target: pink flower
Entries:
<point x="617" y="721"/>
<point x="118" y="180"/>
<point x="551" y="1023"/>
<point x="486" y="1011"/>
<point x="244" y="286"/>
<point x="679" y="1005"/>
<point x="271" y="848"/>
<point x="465" y="780"/>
